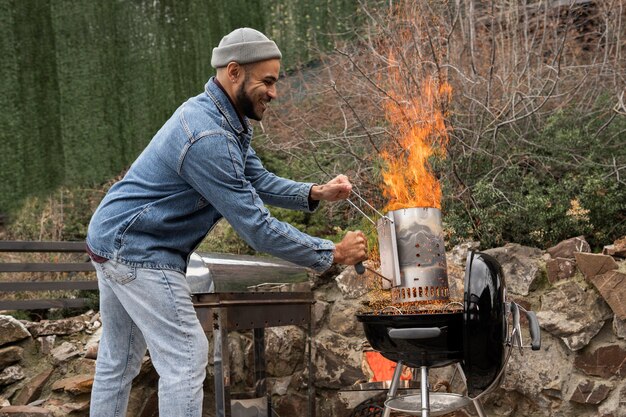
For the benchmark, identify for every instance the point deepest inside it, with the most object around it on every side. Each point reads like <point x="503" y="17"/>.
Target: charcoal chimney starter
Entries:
<point x="412" y="254"/>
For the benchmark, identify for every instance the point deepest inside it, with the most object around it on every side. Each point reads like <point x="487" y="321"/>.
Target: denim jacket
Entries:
<point x="198" y="168"/>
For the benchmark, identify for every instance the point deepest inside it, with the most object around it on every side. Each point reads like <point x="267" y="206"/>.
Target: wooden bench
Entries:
<point x="33" y="267"/>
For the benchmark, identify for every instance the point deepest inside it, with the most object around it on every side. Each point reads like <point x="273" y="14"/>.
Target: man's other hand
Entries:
<point x="352" y="249"/>
<point x="336" y="189"/>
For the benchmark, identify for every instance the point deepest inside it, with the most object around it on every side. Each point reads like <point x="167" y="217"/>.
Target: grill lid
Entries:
<point x="485" y="322"/>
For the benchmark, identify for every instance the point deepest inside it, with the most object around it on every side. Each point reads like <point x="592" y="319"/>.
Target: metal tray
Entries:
<point x="382" y="385"/>
<point x="440" y="403"/>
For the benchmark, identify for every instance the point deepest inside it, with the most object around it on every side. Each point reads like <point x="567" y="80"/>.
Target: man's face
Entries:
<point x="258" y="88"/>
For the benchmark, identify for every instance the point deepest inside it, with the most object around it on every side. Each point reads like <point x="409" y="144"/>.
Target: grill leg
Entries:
<point x="393" y="388"/>
<point x="221" y="358"/>
<point x="477" y="405"/>
<point x="424" y="392"/>
<point x="260" y="383"/>
<point x="309" y="348"/>
<point x="479" y="408"/>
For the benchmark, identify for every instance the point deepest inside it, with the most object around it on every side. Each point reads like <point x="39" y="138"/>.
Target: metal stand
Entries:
<point x="220" y="313"/>
<point x="424" y="391"/>
<point x="408" y="404"/>
<point x="221" y="366"/>
<point x="479" y="408"/>
<point x="258" y="339"/>
<point x="393" y="389"/>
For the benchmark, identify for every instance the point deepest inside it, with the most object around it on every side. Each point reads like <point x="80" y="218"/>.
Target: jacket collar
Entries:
<point x="225" y="106"/>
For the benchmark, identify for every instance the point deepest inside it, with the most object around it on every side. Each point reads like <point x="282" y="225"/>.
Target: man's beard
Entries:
<point x="245" y="103"/>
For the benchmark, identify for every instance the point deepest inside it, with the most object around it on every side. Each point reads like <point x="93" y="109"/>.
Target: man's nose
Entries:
<point x="271" y="92"/>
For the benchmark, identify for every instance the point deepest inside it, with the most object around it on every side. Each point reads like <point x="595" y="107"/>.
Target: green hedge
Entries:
<point x="85" y="84"/>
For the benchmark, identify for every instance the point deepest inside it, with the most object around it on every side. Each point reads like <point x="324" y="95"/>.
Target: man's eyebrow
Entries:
<point x="270" y="78"/>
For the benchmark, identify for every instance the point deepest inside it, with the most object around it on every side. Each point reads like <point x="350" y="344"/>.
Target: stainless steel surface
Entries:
<point x="440" y="403"/>
<point x="221" y="272"/>
<point x="412" y="254"/>
<point x="198" y="275"/>
<point x="388" y="248"/>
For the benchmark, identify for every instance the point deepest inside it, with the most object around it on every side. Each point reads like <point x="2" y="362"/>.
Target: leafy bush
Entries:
<point x="565" y="187"/>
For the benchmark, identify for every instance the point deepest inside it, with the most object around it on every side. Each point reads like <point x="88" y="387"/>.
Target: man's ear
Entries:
<point x="234" y="72"/>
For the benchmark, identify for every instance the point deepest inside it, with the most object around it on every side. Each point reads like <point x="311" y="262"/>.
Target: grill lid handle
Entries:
<point x="415" y="333"/>
<point x="535" y="332"/>
<point x="533" y="327"/>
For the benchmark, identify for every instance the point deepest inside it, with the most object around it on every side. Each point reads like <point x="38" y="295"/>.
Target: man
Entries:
<point x="198" y="168"/>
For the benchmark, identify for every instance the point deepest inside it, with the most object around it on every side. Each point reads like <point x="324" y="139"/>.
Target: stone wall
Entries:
<point x="46" y="367"/>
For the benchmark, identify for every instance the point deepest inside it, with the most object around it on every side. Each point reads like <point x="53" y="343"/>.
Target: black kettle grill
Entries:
<point x="477" y="339"/>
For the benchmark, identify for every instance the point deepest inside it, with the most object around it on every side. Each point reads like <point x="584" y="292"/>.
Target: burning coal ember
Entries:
<point x="382" y="305"/>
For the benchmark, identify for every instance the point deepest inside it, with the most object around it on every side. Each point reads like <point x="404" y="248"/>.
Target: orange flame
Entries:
<point x="383" y="369"/>
<point x="408" y="180"/>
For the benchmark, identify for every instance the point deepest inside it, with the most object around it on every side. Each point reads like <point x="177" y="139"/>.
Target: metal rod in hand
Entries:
<point x="360" y="211"/>
<point x="370" y="206"/>
<point x="376" y="272"/>
<point x="359" y="267"/>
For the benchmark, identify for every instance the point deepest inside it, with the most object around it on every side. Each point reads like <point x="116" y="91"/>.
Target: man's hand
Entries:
<point x="336" y="189"/>
<point x="351" y="250"/>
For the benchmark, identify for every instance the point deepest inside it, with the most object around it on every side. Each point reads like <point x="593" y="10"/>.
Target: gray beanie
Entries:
<point x="244" y="46"/>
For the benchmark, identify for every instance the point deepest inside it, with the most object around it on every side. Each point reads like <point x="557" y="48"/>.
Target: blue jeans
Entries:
<point x="148" y="309"/>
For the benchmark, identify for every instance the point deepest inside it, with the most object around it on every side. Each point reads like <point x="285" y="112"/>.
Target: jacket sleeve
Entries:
<point x="214" y="166"/>
<point x="275" y="190"/>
